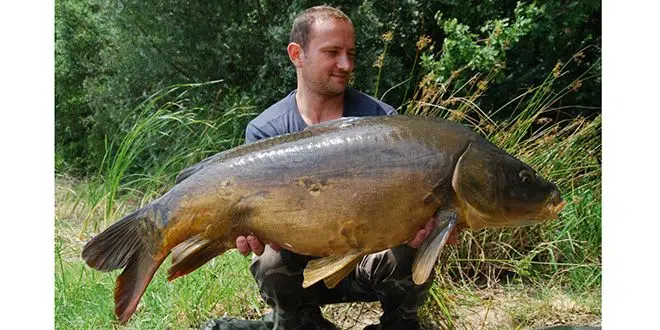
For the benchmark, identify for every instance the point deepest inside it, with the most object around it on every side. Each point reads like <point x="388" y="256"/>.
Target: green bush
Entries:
<point x="111" y="56"/>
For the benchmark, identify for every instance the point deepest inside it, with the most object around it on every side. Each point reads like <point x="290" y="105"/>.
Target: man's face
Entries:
<point x="328" y="61"/>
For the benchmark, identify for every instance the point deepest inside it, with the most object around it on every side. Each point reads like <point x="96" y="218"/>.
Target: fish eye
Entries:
<point x="525" y="176"/>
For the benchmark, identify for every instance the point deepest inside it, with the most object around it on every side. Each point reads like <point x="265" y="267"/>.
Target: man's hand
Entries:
<point x="421" y="235"/>
<point x="251" y="243"/>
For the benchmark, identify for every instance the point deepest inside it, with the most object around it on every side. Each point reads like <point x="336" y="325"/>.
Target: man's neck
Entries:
<point x="316" y="108"/>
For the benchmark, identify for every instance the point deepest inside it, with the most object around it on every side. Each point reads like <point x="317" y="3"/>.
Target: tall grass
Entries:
<point x="566" y="151"/>
<point x="380" y="61"/>
<point x="165" y="134"/>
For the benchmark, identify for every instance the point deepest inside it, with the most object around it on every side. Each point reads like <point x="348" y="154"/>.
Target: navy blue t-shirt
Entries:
<point x="283" y="117"/>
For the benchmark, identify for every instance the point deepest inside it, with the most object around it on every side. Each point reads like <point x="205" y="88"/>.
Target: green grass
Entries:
<point x="84" y="297"/>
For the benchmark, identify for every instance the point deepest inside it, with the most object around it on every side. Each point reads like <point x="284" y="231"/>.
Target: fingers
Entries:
<point x="429" y="225"/>
<point x="420" y="236"/>
<point x="248" y="244"/>
<point x="242" y="245"/>
<point x="255" y="245"/>
<point x="418" y="239"/>
<point x="251" y="243"/>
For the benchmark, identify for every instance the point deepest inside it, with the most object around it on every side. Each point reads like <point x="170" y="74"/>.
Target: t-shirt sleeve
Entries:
<point x="271" y="122"/>
<point x="252" y="133"/>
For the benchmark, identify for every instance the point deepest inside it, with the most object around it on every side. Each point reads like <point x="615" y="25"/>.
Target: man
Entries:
<point x="322" y="49"/>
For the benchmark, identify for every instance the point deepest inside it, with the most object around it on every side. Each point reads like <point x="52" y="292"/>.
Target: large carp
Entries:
<point x="338" y="190"/>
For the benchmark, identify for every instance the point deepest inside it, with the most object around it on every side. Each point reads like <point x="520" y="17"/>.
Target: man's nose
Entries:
<point x="345" y="63"/>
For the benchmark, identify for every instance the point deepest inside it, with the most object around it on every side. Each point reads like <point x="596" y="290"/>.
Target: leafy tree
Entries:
<point x="521" y="43"/>
<point x="79" y="38"/>
<point x="111" y="56"/>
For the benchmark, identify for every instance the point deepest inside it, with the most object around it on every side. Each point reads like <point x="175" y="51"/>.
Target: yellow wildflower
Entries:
<point x="387" y="36"/>
<point x="422" y="42"/>
<point x="379" y="61"/>
<point x="557" y="70"/>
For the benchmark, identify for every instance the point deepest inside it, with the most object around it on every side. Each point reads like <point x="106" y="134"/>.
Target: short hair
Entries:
<point x="302" y="24"/>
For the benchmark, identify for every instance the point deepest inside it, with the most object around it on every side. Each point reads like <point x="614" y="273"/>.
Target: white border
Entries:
<point x="26" y="133"/>
<point x="631" y="85"/>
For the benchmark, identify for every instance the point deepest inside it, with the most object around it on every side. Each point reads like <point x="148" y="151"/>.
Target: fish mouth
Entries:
<point x="555" y="204"/>
<point x="558" y="208"/>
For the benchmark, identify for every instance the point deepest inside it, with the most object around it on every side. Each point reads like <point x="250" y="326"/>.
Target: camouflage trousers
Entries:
<point x="385" y="276"/>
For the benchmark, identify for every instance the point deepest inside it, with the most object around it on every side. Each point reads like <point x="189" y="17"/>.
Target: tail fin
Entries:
<point x="132" y="243"/>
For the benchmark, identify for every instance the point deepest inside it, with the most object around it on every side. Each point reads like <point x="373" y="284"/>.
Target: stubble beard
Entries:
<point x="327" y="88"/>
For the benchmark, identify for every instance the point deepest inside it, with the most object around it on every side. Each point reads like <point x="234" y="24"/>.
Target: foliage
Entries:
<point x="462" y="49"/>
<point x="111" y="56"/>
<point x="79" y="38"/>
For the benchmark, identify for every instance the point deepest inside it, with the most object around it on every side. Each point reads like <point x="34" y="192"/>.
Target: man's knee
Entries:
<point x="279" y="277"/>
<point x="391" y="264"/>
<point x="274" y="277"/>
<point x="389" y="275"/>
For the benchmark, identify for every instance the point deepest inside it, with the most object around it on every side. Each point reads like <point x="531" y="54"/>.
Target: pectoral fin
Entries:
<point x="331" y="269"/>
<point x="428" y="253"/>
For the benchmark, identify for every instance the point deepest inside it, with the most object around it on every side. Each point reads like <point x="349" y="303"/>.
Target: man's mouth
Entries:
<point x="340" y="76"/>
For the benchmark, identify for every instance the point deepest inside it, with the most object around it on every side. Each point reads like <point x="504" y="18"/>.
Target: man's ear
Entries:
<point x="295" y="54"/>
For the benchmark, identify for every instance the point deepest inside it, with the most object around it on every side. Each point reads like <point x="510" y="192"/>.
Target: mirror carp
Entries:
<point x="337" y="190"/>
